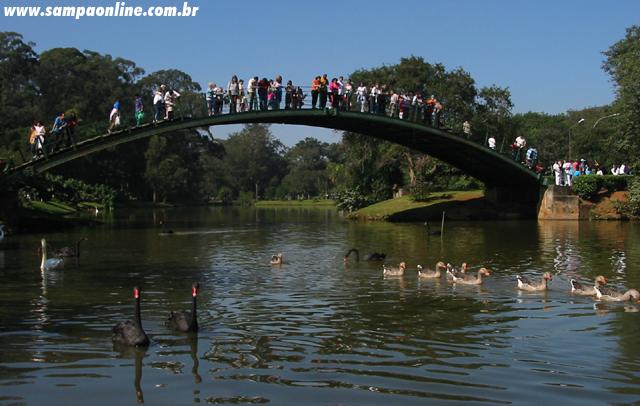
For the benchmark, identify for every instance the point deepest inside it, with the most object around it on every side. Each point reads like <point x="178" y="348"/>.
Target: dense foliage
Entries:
<point x="588" y="187"/>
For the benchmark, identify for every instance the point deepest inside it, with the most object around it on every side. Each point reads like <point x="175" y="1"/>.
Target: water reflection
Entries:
<point x="137" y="354"/>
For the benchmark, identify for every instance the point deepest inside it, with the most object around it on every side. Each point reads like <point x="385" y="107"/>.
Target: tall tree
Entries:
<point x="18" y="89"/>
<point x="254" y="157"/>
<point x="623" y="64"/>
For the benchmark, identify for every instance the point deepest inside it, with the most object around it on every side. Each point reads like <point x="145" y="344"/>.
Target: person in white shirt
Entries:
<point x="361" y="93"/>
<point x="251" y="90"/>
<point x="557" y="170"/>
<point x="492" y="143"/>
<point x="373" y="99"/>
<point x="615" y="170"/>
<point x="393" y="104"/>
<point x="567" y="173"/>
<point x="622" y="170"/>
<point x="466" y="129"/>
<point x="158" y="103"/>
<point x="170" y="99"/>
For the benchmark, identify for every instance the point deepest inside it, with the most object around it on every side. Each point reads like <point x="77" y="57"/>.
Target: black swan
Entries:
<point x="374" y="256"/>
<point x="186" y="321"/>
<point x="70" y="252"/>
<point x="131" y="332"/>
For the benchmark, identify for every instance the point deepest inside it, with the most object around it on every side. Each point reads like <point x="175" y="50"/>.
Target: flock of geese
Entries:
<point x="462" y="276"/>
<point x="131" y="333"/>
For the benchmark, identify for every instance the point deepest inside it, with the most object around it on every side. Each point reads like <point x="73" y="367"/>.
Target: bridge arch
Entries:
<point x="486" y="165"/>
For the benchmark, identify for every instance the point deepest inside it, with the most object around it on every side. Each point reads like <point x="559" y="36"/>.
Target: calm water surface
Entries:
<point x="314" y="331"/>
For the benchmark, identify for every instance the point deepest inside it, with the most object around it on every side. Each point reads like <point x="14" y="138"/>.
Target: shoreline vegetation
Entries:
<point x="296" y="203"/>
<point x="457" y="205"/>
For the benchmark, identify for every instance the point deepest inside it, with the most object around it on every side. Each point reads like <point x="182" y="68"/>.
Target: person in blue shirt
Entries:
<point x="59" y="125"/>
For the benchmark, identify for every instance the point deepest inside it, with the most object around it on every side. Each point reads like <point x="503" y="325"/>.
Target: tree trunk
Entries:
<point x="412" y="172"/>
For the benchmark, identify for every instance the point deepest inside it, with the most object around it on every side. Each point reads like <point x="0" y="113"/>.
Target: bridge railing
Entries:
<point x="348" y="101"/>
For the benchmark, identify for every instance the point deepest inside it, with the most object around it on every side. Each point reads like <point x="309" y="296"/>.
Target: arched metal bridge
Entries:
<point x="484" y="164"/>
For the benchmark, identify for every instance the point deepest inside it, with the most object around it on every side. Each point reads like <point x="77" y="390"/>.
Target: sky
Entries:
<point x="548" y="53"/>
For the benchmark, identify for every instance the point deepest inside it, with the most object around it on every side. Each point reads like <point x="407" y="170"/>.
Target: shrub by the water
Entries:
<point x="630" y="208"/>
<point x="587" y="187"/>
<point x="69" y="190"/>
<point x="351" y="200"/>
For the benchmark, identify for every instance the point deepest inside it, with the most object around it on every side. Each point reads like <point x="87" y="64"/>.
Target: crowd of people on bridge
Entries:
<point x="271" y="94"/>
<point x="336" y="93"/>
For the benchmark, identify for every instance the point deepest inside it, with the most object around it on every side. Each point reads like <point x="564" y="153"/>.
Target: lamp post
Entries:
<point x="602" y="118"/>
<point x="570" y="133"/>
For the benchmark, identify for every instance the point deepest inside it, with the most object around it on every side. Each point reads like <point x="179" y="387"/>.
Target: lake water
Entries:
<point x="314" y="331"/>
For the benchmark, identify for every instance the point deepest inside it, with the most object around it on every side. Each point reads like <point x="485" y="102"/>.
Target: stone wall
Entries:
<point x="559" y="203"/>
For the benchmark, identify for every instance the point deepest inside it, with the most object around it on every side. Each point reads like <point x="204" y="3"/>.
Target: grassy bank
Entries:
<point x="405" y="209"/>
<point x="296" y="203"/>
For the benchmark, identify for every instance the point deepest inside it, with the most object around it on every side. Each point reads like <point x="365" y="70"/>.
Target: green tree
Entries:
<point x="623" y="64"/>
<point x="18" y="90"/>
<point x="254" y="156"/>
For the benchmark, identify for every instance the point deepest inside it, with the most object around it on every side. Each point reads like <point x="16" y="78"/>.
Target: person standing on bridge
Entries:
<point x="158" y="103"/>
<point x="334" y="94"/>
<point x="233" y="90"/>
<point x="263" y="94"/>
<point x="71" y="122"/>
<point x="242" y="98"/>
<point x="348" y="93"/>
<point x="277" y="89"/>
<point x="139" y="111"/>
<point x="315" y="91"/>
<point x="114" y="117"/>
<point x="210" y="97"/>
<point x="373" y="93"/>
<point x="56" y="131"/>
<point x="288" y="95"/>
<point x="170" y="100"/>
<point x="252" y="90"/>
<point x="39" y="132"/>
<point x="466" y="129"/>
<point x="362" y="97"/>
<point x="492" y="142"/>
<point x="324" y="89"/>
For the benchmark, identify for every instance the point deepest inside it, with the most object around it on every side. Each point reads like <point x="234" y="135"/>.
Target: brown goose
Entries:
<point x="428" y="273"/>
<point x="527" y="285"/>
<point x="393" y="271"/>
<point x="611" y="295"/>
<point x="579" y="289"/>
<point x="467" y="279"/>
